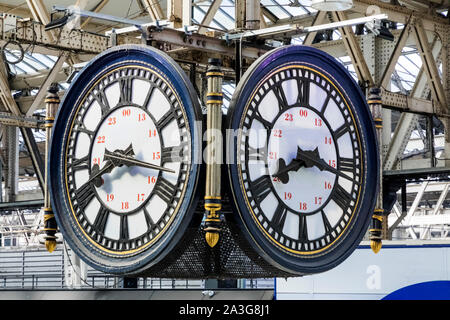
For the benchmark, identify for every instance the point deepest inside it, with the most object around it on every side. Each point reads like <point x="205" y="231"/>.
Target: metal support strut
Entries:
<point x="376" y="228"/>
<point x="50" y="227"/>
<point x="213" y="203"/>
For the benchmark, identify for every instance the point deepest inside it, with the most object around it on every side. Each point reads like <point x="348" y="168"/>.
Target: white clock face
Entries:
<point x="296" y="194"/>
<point x="127" y="159"/>
<point x="126" y="188"/>
<point x="300" y="160"/>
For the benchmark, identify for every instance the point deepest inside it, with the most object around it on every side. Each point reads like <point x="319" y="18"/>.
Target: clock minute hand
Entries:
<point x="312" y="158"/>
<point x="122" y="159"/>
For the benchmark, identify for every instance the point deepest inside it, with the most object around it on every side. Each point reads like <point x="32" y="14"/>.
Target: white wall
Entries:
<point x="365" y="275"/>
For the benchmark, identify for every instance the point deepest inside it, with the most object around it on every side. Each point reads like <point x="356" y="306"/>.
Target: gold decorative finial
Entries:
<point x="212" y="221"/>
<point x="375" y="245"/>
<point x="376" y="230"/>
<point x="212" y="238"/>
<point x="50" y="245"/>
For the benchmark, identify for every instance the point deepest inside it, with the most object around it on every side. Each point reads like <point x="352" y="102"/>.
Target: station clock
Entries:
<point x="302" y="159"/>
<point x="124" y="159"/>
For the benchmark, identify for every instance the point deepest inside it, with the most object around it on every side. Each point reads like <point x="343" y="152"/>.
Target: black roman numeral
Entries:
<point x="303" y="230"/>
<point x="80" y="164"/>
<point x="165" y="119"/>
<point x="124" y="227"/>
<point x="100" y="220"/>
<point x="281" y="97"/>
<point x="100" y="97"/>
<point x="165" y="190"/>
<point x="80" y="127"/>
<point x="150" y="223"/>
<point x="84" y="194"/>
<point x="326" y="223"/>
<point x="339" y="132"/>
<point x="259" y="154"/>
<point x="261" y="188"/>
<point x="341" y="197"/>
<point x="303" y="92"/>
<point x="279" y="217"/>
<point x="126" y="89"/>
<point x="173" y="154"/>
<point x="268" y="125"/>
<point x="325" y="105"/>
<point x="347" y="164"/>
<point x="148" y="97"/>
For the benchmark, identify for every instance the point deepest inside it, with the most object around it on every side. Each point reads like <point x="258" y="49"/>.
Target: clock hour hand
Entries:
<point x="305" y="159"/>
<point x="119" y="158"/>
<point x="96" y="172"/>
<point x="283" y="169"/>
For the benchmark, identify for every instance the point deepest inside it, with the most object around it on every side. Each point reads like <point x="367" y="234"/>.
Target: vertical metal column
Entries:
<point x="50" y="227"/>
<point x="430" y="141"/>
<point x="214" y="99"/>
<point x="252" y="14"/>
<point x="376" y="228"/>
<point x="1" y="180"/>
<point x="12" y="177"/>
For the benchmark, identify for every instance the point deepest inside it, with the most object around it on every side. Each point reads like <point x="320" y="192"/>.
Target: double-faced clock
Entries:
<point x="302" y="159"/>
<point x="124" y="159"/>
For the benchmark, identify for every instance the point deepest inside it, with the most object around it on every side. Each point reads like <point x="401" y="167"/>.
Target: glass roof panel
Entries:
<point x="279" y="11"/>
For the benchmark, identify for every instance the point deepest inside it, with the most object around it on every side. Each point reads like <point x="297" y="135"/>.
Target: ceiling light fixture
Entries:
<point x="332" y="5"/>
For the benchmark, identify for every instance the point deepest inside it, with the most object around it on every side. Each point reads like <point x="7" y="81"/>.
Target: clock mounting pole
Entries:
<point x="376" y="228"/>
<point x="213" y="198"/>
<point x="50" y="226"/>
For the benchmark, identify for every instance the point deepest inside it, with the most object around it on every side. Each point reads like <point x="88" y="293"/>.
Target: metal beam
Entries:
<point x="186" y="15"/>
<point x="401" y="41"/>
<point x="406" y="103"/>
<point x="46" y="84"/>
<point x="33" y="151"/>
<point x="398" y="13"/>
<point x="97" y="8"/>
<point x="209" y="16"/>
<point x="9" y="119"/>
<point x="413" y="208"/>
<point x="429" y="63"/>
<point x="30" y="32"/>
<point x="428" y="220"/>
<point x="11" y="105"/>
<point x="175" y="13"/>
<point x="408" y="121"/>
<point x="354" y="51"/>
<point x="436" y="209"/>
<point x="252" y="14"/>
<point x="269" y="15"/>
<point x="40" y="14"/>
<point x="318" y="19"/>
<point x="200" y="42"/>
<point x="239" y="6"/>
<point x="154" y="9"/>
<point x="32" y="81"/>
<point x="30" y="204"/>
<point x="406" y="124"/>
